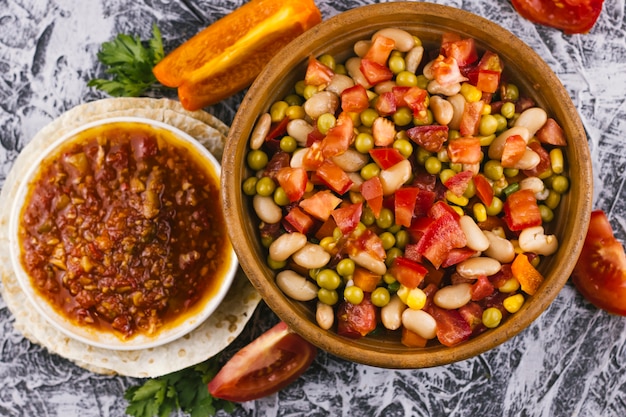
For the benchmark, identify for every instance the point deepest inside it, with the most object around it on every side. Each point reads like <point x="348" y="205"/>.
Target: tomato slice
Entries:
<point x="462" y="50"/>
<point x="446" y="70"/>
<point x="459" y="182"/>
<point x="551" y="133"/>
<point x="268" y="364"/>
<point x="441" y="235"/>
<point x="298" y="220"/>
<point x="513" y="151"/>
<point x="571" y="16"/>
<point x="600" y="273"/>
<point x="339" y="137"/>
<point x="484" y="190"/>
<point x="470" y="119"/>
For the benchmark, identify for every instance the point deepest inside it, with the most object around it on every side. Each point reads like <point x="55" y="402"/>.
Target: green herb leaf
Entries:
<point x="185" y="390"/>
<point x="129" y="61"/>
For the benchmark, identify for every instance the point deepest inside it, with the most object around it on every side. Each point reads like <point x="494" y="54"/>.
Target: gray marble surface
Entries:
<point x="569" y="362"/>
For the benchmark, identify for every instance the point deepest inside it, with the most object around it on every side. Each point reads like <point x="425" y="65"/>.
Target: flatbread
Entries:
<point x="207" y="340"/>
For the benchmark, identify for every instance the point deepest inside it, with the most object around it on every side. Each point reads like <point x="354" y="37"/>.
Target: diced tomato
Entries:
<point x="486" y="74"/>
<point x="521" y="210"/>
<point x="481" y="288"/>
<point x="408" y="273"/>
<point x="354" y="99"/>
<point x="424" y="201"/>
<point x="442" y="235"/>
<point x="348" y="217"/>
<point x="372" y="192"/>
<point x="339" y="137"/>
<point x="321" y="204"/>
<point x="484" y="190"/>
<point x="457" y="255"/>
<point x="314" y="136"/>
<point x="265" y="366"/>
<point x="298" y="220"/>
<point x="513" y="150"/>
<point x="334" y="177"/>
<point x="404" y="205"/>
<point x="470" y="119"/>
<point x="412" y="339"/>
<point x="383" y="131"/>
<point x="446" y="71"/>
<point x="472" y="313"/>
<point x="317" y="73"/>
<point x="313" y="157"/>
<point x="375" y="73"/>
<point x="459" y="182"/>
<point x="452" y="328"/>
<point x="465" y="150"/>
<point x="369" y="242"/>
<point x="544" y="160"/>
<point x="386" y="104"/>
<point x="365" y="279"/>
<point x="380" y="49"/>
<point x="529" y="278"/>
<point x="326" y="229"/>
<point x="488" y="81"/>
<point x="600" y="273"/>
<point x="356" y="321"/>
<point x="415" y="98"/>
<point x="462" y="50"/>
<point x="551" y="133"/>
<point x="386" y="157"/>
<point x="429" y="137"/>
<point x="571" y="16"/>
<point x="441" y="208"/>
<point x="293" y="181"/>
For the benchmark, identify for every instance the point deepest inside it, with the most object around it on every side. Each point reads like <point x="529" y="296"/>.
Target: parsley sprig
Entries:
<point x="129" y="61"/>
<point x="184" y="390"/>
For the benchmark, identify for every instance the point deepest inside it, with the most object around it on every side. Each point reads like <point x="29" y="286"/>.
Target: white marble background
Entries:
<point x="570" y="362"/>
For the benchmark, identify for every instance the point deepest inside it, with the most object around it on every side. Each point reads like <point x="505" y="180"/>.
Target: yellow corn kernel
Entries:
<point x="510" y="285"/>
<point x="515" y="243"/>
<point x="416" y="299"/>
<point x="480" y="212"/>
<point x="492" y="317"/>
<point x="486" y="109"/>
<point x="513" y="303"/>
<point x="471" y="93"/>
<point x="328" y="243"/>
<point x="458" y="210"/>
<point x="556" y="160"/>
<point x="458" y="200"/>
<point x="403" y="293"/>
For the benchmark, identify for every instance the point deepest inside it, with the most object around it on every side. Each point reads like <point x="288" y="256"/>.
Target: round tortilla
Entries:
<point x="207" y="340"/>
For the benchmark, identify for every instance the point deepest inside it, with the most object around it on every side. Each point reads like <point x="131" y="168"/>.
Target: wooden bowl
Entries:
<point x="337" y="36"/>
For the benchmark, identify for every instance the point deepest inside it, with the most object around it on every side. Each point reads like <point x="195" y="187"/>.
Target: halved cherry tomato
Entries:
<point x="600" y="273"/>
<point x="571" y="16"/>
<point x="268" y="364"/>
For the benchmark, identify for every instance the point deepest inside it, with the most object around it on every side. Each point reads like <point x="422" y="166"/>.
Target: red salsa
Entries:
<point x="122" y="229"/>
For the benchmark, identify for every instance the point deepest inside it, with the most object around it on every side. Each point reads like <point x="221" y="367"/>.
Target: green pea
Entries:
<point x="295" y="112"/>
<point x="280" y="197"/>
<point x="470" y="191"/>
<point x="388" y="240"/>
<point x="277" y="111"/>
<point x="329" y="279"/>
<point x="368" y="116"/>
<point x="496" y="207"/>
<point x="392" y="254"/>
<point x="423" y="121"/>
<point x="396" y="64"/>
<point x="403" y="116"/>
<point x="511" y="92"/>
<point x="560" y="184"/>
<point x="299" y="87"/>
<point x="388" y="278"/>
<point x="265" y="186"/>
<point x="422" y="81"/>
<point x="288" y="144"/>
<point x="364" y="142"/>
<point x="547" y="215"/>
<point x="309" y="91"/>
<point x="422" y="155"/>
<point x="325" y="122"/>
<point x="328" y="60"/>
<point x="313" y="273"/>
<point x="456" y="166"/>
<point x="553" y="200"/>
<point x="370" y="170"/>
<point x="502" y="123"/>
<point x="341" y="69"/>
<point x="275" y="265"/>
<point x="293" y="100"/>
<point x="249" y="186"/>
<point x="353" y="294"/>
<point x="257" y="159"/>
<point x="406" y="79"/>
<point x="511" y="172"/>
<point x="329" y="297"/>
<point x="385" y="219"/>
<point x="337" y="233"/>
<point x="380" y="297"/>
<point x="453" y="134"/>
<point x="488" y="125"/>
<point x="508" y="110"/>
<point x="266" y="241"/>
<point x="402" y="238"/>
<point x="446" y="174"/>
<point x="367" y="216"/>
<point x="403" y="146"/>
<point x="346" y="267"/>
<point x="433" y="165"/>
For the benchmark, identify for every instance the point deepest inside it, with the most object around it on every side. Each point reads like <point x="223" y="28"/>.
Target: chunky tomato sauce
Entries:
<point x="123" y="229"/>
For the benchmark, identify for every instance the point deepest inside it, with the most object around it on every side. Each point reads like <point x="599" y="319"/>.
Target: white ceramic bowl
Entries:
<point x="183" y="324"/>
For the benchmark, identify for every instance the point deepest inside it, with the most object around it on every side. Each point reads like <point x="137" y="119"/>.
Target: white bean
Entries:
<point x="480" y="265"/>
<point x="266" y="209"/>
<point x="351" y="160"/>
<point x="368" y="262"/>
<point x="321" y="103"/>
<point x="403" y="40"/>
<point x="324" y="315"/>
<point x="500" y="249"/>
<point x="420" y="322"/>
<point x="476" y="239"/>
<point x="338" y="83"/>
<point x="434" y="87"/>
<point x="413" y="58"/>
<point x="361" y="47"/>
<point x="532" y="119"/>
<point x="296" y="286"/>
<point x="260" y="131"/>
<point x="534" y="184"/>
<point x="297" y="158"/>
<point x="286" y="245"/>
<point x="458" y="106"/>
<point x="497" y="145"/>
<point x="357" y="181"/>
<point x="353" y="67"/>
<point x="391" y="314"/>
<point x="395" y="176"/>
<point x="384" y="87"/>
<point x="428" y="70"/>
<point x="453" y="296"/>
<point x="311" y="256"/>
<point x="529" y="160"/>
<point x="533" y="239"/>
<point x="299" y="129"/>
<point x="442" y="110"/>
